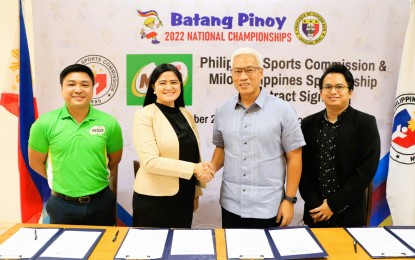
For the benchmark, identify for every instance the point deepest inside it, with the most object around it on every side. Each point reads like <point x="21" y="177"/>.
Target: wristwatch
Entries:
<point x="293" y="200"/>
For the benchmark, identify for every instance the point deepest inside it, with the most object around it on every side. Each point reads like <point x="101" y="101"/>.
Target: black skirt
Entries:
<point x="165" y="211"/>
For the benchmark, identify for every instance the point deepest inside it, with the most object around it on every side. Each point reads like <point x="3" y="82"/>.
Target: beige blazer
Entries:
<point x="157" y="147"/>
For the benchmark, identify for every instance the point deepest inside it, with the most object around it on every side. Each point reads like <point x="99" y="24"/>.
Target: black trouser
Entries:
<point x="230" y="220"/>
<point x="166" y="211"/>
<point x="99" y="211"/>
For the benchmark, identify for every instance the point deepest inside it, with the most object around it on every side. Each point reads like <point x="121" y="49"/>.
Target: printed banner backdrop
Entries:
<point x="123" y="40"/>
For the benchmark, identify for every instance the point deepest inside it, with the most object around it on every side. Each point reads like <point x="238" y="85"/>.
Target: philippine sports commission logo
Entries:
<point x="106" y="78"/>
<point x="403" y="132"/>
<point x="310" y="28"/>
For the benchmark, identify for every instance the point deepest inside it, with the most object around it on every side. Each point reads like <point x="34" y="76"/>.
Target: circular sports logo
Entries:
<point x="310" y="28"/>
<point x="403" y="133"/>
<point x="106" y="78"/>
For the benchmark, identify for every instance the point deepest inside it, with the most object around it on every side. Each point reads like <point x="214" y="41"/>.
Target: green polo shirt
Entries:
<point x="77" y="153"/>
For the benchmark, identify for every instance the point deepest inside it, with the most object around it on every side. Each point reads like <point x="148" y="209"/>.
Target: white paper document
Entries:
<point x="72" y="244"/>
<point x="23" y="243"/>
<point x="247" y="243"/>
<point x="406" y="234"/>
<point x="378" y="242"/>
<point x="143" y="244"/>
<point x="294" y="241"/>
<point x="192" y="242"/>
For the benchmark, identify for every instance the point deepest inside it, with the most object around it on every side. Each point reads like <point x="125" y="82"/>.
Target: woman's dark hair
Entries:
<point x="160" y="69"/>
<point x="338" y="68"/>
<point x="77" y="68"/>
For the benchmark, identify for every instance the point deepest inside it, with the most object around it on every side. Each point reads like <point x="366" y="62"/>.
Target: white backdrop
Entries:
<point x="366" y="35"/>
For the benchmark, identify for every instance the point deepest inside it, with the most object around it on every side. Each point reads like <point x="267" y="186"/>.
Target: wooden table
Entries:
<point x="339" y="244"/>
<point x="105" y="249"/>
<point x="336" y="241"/>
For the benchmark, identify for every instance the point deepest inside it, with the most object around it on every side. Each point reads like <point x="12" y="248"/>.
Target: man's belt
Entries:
<point x="82" y="199"/>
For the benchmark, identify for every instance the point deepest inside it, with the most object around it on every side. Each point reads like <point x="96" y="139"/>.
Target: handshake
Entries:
<point x="204" y="172"/>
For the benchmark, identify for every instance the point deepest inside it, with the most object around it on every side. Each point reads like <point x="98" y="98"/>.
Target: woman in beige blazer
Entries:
<point x="168" y="183"/>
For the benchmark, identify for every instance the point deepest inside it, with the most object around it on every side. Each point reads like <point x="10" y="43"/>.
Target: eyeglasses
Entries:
<point x="249" y="71"/>
<point x="338" y="88"/>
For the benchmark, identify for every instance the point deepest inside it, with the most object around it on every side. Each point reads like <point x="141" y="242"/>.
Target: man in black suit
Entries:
<point x="340" y="158"/>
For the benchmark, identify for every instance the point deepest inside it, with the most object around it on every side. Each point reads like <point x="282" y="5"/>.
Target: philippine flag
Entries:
<point x="400" y="187"/>
<point x="17" y="97"/>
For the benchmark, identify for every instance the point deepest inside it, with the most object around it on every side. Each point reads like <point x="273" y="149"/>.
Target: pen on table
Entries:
<point x="17" y="257"/>
<point x="115" y="236"/>
<point x="355" y="245"/>
<point x="260" y="257"/>
<point x="128" y="257"/>
<point x="35" y="234"/>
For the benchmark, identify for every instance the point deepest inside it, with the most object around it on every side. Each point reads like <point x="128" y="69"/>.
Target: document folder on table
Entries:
<point x="405" y="234"/>
<point x="34" y="240"/>
<point x="378" y="242"/>
<point x="144" y="244"/>
<point x="248" y="244"/>
<point x="51" y="243"/>
<point x="295" y="243"/>
<point x="72" y="243"/>
<point x="191" y="244"/>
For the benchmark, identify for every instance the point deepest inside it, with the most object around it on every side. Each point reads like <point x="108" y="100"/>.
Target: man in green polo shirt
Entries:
<point x="76" y="148"/>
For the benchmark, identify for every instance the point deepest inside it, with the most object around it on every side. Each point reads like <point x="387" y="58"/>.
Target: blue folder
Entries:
<point x="168" y="255"/>
<point x="297" y="256"/>
<point x="37" y="256"/>
<point x="127" y="257"/>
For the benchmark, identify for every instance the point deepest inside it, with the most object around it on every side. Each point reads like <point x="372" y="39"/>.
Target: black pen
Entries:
<point x="127" y="257"/>
<point x="260" y="257"/>
<point x="35" y="234"/>
<point x="115" y="236"/>
<point x="355" y="245"/>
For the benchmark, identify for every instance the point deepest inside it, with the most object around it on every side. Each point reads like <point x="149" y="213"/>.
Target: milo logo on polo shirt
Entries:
<point x="97" y="130"/>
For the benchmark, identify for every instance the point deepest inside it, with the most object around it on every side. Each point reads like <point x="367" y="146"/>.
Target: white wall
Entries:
<point x="9" y="174"/>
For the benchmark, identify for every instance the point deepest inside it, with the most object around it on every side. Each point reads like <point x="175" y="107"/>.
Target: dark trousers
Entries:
<point x="230" y="220"/>
<point x="100" y="211"/>
<point x="162" y="212"/>
<point x="166" y="211"/>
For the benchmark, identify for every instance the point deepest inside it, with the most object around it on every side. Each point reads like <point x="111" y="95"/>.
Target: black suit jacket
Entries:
<point x="357" y="156"/>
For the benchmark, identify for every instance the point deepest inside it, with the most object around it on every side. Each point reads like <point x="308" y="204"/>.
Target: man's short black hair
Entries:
<point x="77" y="68"/>
<point x="339" y="68"/>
